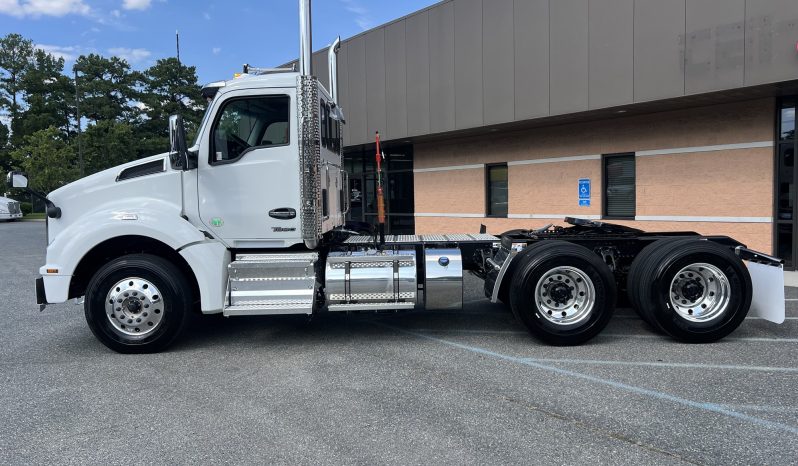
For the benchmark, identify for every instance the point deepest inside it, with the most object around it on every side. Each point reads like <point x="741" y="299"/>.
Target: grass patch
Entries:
<point x="35" y="216"/>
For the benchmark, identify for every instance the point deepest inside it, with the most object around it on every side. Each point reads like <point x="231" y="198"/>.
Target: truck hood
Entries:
<point x="105" y="177"/>
<point x="131" y="188"/>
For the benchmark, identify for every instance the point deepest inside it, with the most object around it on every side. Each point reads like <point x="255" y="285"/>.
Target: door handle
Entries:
<point x="283" y="213"/>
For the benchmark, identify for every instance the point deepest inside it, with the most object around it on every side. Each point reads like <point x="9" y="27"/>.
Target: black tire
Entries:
<point x="641" y="267"/>
<point x="541" y="259"/>
<point x="173" y="303"/>
<point x="653" y="272"/>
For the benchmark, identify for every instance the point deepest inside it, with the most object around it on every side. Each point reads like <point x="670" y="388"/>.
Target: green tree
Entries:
<point x="5" y="157"/>
<point x="107" y="144"/>
<point x="107" y="88"/>
<point x="47" y="159"/>
<point x="15" y="57"/>
<point x="49" y="95"/>
<point x="170" y="88"/>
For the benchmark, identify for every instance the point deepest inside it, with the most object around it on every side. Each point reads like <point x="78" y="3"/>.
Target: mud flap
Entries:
<point x="768" y="291"/>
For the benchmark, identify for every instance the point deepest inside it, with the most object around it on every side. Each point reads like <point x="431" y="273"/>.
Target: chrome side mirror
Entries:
<point x="17" y="180"/>
<point x="178" y="154"/>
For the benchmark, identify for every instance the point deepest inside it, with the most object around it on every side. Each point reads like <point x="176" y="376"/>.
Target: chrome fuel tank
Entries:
<point x="371" y="280"/>
<point x="443" y="283"/>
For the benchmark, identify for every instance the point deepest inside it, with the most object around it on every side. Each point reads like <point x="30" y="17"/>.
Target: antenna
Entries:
<point x="177" y="41"/>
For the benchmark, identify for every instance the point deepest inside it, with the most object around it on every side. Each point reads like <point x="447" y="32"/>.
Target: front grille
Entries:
<point x="13" y="208"/>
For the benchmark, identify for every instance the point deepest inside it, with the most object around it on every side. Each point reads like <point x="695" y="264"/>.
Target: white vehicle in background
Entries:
<point x="9" y="209"/>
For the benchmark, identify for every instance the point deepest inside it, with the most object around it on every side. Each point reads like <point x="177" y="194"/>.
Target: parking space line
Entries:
<point x="764" y="409"/>
<point x="636" y="317"/>
<point x="604" y="362"/>
<point x="664" y="337"/>
<point x="464" y="331"/>
<point x="709" y="407"/>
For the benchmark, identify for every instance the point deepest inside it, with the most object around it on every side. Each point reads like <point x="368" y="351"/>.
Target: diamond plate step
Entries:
<point x="271" y="284"/>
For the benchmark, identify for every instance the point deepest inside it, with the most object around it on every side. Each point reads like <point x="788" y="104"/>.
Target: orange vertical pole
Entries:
<point x="380" y="194"/>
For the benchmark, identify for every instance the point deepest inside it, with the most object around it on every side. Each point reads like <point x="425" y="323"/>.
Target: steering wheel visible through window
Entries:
<point x="249" y="123"/>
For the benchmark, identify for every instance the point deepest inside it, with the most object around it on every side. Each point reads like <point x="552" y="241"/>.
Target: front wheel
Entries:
<point x="562" y="292"/>
<point x="137" y="303"/>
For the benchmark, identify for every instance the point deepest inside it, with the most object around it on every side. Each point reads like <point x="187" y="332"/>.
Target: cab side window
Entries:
<point x="249" y="123"/>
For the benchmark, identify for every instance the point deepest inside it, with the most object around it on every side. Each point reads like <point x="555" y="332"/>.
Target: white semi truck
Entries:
<point x="250" y="220"/>
<point x="10" y="209"/>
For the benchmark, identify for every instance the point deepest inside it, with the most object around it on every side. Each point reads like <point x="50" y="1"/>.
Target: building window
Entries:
<point x="496" y="190"/>
<point x="619" y="186"/>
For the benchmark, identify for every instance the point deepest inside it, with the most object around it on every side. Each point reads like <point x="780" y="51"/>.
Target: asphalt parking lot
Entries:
<point x="410" y="388"/>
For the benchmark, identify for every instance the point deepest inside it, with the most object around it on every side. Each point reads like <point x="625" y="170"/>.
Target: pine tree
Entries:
<point x="49" y="95"/>
<point x="170" y="88"/>
<point x="16" y="53"/>
<point x="107" y="88"/>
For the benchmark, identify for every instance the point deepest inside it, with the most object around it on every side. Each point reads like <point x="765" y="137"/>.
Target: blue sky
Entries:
<point x="217" y="36"/>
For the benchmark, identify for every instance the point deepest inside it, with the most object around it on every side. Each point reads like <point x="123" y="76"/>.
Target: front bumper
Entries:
<point x="41" y="297"/>
<point x="51" y="288"/>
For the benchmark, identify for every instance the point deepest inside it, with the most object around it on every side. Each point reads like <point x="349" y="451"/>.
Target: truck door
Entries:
<point x="248" y="179"/>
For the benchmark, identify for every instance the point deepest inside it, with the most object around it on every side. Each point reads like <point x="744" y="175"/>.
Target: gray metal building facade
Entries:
<point x="463" y="64"/>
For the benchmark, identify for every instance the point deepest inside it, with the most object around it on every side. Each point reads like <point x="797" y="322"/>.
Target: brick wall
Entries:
<point x="732" y="185"/>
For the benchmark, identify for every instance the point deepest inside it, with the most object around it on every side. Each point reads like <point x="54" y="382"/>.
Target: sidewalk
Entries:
<point x="790" y="278"/>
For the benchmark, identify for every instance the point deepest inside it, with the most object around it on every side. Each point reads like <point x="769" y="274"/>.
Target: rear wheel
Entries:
<point x="137" y="303"/>
<point x="695" y="290"/>
<point x="562" y="292"/>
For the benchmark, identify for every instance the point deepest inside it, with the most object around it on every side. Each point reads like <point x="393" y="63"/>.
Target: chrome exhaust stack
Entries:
<point x="332" y="61"/>
<point x="305" y="38"/>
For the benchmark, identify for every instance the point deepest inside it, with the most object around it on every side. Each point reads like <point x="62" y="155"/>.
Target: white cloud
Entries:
<point x="132" y="56"/>
<point x="136" y="4"/>
<point x="68" y="52"/>
<point x="362" y="18"/>
<point x="216" y="50"/>
<point x="36" y="8"/>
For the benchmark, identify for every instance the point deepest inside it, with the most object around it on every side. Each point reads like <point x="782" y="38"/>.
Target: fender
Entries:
<point x="152" y="218"/>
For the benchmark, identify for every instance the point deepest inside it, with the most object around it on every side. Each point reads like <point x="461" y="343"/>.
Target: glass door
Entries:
<point x="785" y="198"/>
<point x="397" y="187"/>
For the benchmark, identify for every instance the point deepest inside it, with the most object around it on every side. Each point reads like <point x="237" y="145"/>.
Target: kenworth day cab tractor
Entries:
<point x="250" y="220"/>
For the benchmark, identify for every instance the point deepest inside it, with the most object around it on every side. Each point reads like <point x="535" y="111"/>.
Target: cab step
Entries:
<point x="271" y="284"/>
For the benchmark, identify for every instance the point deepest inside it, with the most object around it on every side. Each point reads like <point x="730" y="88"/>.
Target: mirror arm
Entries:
<point x="53" y="211"/>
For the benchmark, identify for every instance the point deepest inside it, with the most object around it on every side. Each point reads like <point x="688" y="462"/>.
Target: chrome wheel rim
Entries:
<point x="700" y="292"/>
<point x="565" y="295"/>
<point x="134" y="307"/>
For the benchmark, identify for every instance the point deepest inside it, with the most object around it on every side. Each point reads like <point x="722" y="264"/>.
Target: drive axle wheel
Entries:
<point x="695" y="290"/>
<point x="562" y="292"/>
<point x="137" y="303"/>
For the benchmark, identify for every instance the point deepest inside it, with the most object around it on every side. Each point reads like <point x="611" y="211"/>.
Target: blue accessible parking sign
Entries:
<point x="584" y="192"/>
